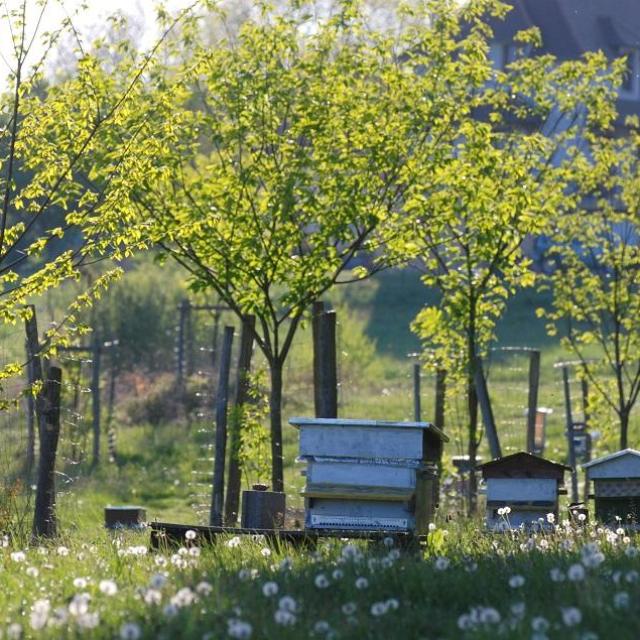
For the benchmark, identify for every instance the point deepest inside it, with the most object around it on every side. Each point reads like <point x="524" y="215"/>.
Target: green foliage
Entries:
<point x="596" y="277"/>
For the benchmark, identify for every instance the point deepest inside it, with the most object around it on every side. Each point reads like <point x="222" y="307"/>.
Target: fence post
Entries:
<point x="232" y="503"/>
<point x="214" y="341"/>
<point x="180" y="368"/>
<point x="532" y="405"/>
<point x="441" y="391"/>
<point x="95" y="398"/>
<point x="417" y="409"/>
<point x="111" y="433"/>
<point x="217" y="498"/>
<point x="487" y="411"/>
<point x="571" y="443"/>
<point x="44" y="520"/>
<point x="34" y="372"/>
<point x="325" y="366"/>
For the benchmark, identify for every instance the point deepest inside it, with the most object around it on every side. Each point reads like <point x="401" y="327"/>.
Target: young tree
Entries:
<point x="596" y="276"/>
<point x="505" y="178"/>
<point x="69" y="154"/>
<point x="311" y="136"/>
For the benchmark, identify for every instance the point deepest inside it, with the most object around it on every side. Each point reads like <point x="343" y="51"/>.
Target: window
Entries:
<point x="630" y="87"/>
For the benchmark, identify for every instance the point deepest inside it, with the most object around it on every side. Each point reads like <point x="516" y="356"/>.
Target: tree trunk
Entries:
<point x="624" y="428"/>
<point x="275" y="410"/>
<point x="472" y="405"/>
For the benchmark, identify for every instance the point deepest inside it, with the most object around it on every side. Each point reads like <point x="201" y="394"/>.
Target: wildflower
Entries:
<point x="621" y="600"/>
<point x="557" y="575"/>
<point x="361" y="583"/>
<point x="88" y="620"/>
<point x="394" y="554"/>
<point x="632" y="576"/>
<point x="551" y="518"/>
<point x="337" y="574"/>
<point x="284" y="618"/>
<point x="441" y="563"/>
<point x="516" y="581"/>
<point x="593" y="560"/>
<point x="18" y="556"/>
<point x="39" y="614"/>
<point x="576" y="572"/>
<point x="14" y="631"/>
<point x="266" y="552"/>
<point x="349" y="608"/>
<point x="80" y="583"/>
<point x="63" y="551"/>
<point x="232" y="544"/>
<point x="388" y="541"/>
<point x="32" y="572"/>
<point x="489" y="615"/>
<point x="204" y="588"/>
<point x="152" y="596"/>
<point x="130" y="631"/>
<point x="378" y="609"/>
<point x="190" y="534"/>
<point x="582" y="517"/>
<point x="239" y="629"/>
<point x="184" y="597"/>
<point x="287" y="603"/>
<point x="108" y="587"/>
<point x="350" y="552"/>
<point x="540" y="624"/>
<point x="322" y="626"/>
<point x="170" y="610"/>
<point x="571" y="616"/>
<point x="518" y="609"/>
<point x="286" y="564"/>
<point x="321" y="581"/>
<point x="269" y="589"/>
<point x="157" y="581"/>
<point x="392" y="603"/>
<point x="79" y="604"/>
<point x="465" y="623"/>
<point x="432" y="527"/>
<point x="631" y="552"/>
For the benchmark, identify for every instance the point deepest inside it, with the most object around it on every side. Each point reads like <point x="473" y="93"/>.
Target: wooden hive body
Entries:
<point x="529" y="485"/>
<point x="364" y="474"/>
<point x="616" y="483"/>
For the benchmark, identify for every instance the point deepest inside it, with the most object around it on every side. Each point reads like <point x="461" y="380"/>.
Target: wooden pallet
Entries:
<point x="168" y="534"/>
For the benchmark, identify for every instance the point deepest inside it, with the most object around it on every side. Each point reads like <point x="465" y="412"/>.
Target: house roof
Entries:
<point x="571" y="27"/>
<point x="523" y="465"/>
<point x="611" y="457"/>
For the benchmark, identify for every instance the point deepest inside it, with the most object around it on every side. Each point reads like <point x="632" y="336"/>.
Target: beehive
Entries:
<point x="368" y="474"/>
<point x="616" y="482"/>
<point x="529" y="485"/>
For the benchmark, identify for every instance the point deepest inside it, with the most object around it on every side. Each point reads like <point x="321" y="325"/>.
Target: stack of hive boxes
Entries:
<point x="369" y="475"/>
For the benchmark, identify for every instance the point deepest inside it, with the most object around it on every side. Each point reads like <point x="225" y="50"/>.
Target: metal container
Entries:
<point x="262" y="509"/>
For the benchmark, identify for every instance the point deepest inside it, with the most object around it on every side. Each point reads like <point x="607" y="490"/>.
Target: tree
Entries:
<point x="311" y="136"/>
<point x="69" y="154"/>
<point x="506" y="176"/>
<point x="596" y="274"/>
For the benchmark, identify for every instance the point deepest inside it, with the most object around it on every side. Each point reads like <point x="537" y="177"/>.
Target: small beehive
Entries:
<point x="367" y="474"/>
<point x="125" y="516"/>
<point x="529" y="485"/>
<point x="616" y="483"/>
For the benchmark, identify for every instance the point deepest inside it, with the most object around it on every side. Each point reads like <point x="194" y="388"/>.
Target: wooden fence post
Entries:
<point x="34" y="369"/>
<point x="487" y="411"/>
<point x="217" y="498"/>
<point x="325" y="377"/>
<point x="532" y="405"/>
<point x="417" y="408"/>
<point x="570" y="441"/>
<point x="95" y="398"/>
<point x="214" y="341"/>
<point x="232" y="502"/>
<point x="44" y="521"/>
<point x="440" y="402"/>
<point x="180" y="368"/>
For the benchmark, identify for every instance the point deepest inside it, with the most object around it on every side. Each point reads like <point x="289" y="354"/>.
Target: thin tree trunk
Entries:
<point x="275" y="410"/>
<point x="472" y="407"/>
<point x="624" y="428"/>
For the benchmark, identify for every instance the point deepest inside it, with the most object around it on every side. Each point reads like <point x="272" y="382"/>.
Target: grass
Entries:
<point x="462" y="585"/>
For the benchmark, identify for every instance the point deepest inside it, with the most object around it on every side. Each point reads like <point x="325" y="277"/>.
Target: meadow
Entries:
<point x="578" y="581"/>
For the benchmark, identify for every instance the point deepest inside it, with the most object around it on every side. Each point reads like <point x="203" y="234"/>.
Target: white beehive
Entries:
<point x="367" y="474"/>
<point x="616" y="481"/>
<point x="529" y="485"/>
